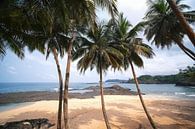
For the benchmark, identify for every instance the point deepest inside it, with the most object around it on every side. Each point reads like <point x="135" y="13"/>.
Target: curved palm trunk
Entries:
<point x="186" y="50"/>
<point x="66" y="83"/>
<point x="141" y="99"/>
<point x="182" y="20"/>
<point x="59" y="125"/>
<point x="102" y="100"/>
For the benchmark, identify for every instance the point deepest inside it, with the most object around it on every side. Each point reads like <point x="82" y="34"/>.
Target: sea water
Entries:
<point x="166" y="90"/>
<point x="148" y="89"/>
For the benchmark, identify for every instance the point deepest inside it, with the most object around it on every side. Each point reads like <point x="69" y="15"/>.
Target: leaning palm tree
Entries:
<point x="96" y="51"/>
<point x="54" y="30"/>
<point x="39" y="30"/>
<point x="127" y="37"/>
<point x="163" y="27"/>
<point x="136" y="48"/>
<point x="81" y="13"/>
<point x="182" y="20"/>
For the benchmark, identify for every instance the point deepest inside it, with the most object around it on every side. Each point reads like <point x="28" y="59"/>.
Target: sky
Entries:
<point x="35" y="68"/>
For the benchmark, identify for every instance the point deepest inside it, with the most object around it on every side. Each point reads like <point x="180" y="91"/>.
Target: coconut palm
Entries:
<point x="55" y="30"/>
<point x="163" y="27"/>
<point x="137" y="48"/>
<point x="81" y="13"/>
<point x="57" y="19"/>
<point x="182" y="20"/>
<point x="48" y="13"/>
<point x="126" y="35"/>
<point x="96" y="51"/>
<point x="10" y="18"/>
<point x="32" y="24"/>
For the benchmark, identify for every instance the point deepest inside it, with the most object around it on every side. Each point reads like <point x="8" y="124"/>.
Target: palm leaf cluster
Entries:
<point x="95" y="47"/>
<point x="116" y="45"/>
<point x="163" y="27"/>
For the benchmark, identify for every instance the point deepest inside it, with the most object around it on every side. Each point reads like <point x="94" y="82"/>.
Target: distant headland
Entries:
<point x="185" y="77"/>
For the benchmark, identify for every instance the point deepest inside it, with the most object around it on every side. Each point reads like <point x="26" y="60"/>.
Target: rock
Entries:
<point x="92" y="88"/>
<point x="117" y="87"/>
<point x="113" y="90"/>
<point x="28" y="124"/>
<point x="186" y="84"/>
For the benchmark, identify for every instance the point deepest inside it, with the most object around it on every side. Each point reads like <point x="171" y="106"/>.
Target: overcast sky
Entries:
<point x="34" y="68"/>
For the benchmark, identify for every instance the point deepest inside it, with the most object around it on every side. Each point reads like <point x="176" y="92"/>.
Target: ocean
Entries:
<point x="166" y="90"/>
<point x="148" y="89"/>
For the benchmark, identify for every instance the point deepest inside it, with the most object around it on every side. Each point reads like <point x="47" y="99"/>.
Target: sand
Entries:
<point x="124" y="112"/>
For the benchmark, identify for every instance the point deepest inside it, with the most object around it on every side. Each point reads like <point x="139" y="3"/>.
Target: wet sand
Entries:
<point x="124" y="112"/>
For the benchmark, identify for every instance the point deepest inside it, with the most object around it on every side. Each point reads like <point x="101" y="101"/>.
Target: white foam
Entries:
<point x="80" y="91"/>
<point x="191" y="95"/>
<point x="180" y="93"/>
<point x="55" y="89"/>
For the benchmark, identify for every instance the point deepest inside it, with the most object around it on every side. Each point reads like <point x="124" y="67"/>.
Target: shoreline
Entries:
<point x="33" y="96"/>
<point x="14" y="105"/>
<point x="124" y="111"/>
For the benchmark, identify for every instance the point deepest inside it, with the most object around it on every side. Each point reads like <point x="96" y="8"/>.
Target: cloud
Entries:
<point x="165" y="62"/>
<point x="47" y="77"/>
<point x="39" y="59"/>
<point x="11" y="70"/>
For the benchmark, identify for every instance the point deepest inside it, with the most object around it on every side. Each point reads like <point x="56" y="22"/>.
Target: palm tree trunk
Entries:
<point x="141" y="99"/>
<point x="182" y="20"/>
<point x="59" y="125"/>
<point x="102" y="99"/>
<point x="187" y="51"/>
<point x="66" y="83"/>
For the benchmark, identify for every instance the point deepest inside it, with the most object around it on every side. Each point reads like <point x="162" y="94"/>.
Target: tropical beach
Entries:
<point x="123" y="107"/>
<point x="97" y="64"/>
<point x="125" y="112"/>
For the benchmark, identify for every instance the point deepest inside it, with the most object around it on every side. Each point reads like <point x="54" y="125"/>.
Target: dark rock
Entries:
<point x="33" y="96"/>
<point x="113" y="90"/>
<point x="28" y="124"/>
<point x="185" y="84"/>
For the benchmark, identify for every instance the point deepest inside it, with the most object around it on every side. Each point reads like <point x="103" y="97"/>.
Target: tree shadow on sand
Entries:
<point x="119" y="119"/>
<point x="85" y="118"/>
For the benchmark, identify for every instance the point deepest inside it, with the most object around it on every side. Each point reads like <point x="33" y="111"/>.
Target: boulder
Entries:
<point x="42" y="123"/>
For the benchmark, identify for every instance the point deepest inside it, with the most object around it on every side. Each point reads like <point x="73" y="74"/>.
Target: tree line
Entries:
<point x="185" y="77"/>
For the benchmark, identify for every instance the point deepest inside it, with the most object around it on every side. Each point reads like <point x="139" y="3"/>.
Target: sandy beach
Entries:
<point x="124" y="112"/>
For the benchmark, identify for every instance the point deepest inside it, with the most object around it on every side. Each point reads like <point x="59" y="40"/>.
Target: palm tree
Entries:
<point x="55" y="29"/>
<point x="134" y="57"/>
<point x="52" y="46"/>
<point x="182" y="20"/>
<point x="163" y="27"/>
<point x="135" y="47"/>
<point x="96" y="51"/>
<point x="45" y="15"/>
<point x="39" y="30"/>
<point x="81" y="13"/>
<point x="10" y="18"/>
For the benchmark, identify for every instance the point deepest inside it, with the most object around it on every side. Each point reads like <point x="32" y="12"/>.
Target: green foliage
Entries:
<point x="161" y="24"/>
<point x="45" y="24"/>
<point x="187" y="75"/>
<point x="126" y="35"/>
<point x="97" y="50"/>
<point x="184" y="77"/>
